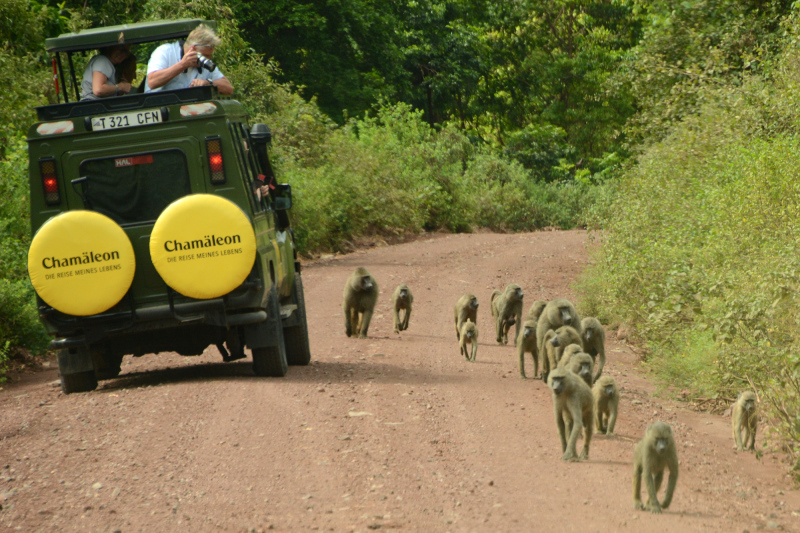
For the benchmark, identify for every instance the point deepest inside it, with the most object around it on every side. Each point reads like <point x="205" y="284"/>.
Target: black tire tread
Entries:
<point x="295" y="338"/>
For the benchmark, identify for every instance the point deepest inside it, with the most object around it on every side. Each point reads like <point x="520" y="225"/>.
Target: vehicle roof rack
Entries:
<point x="140" y="32"/>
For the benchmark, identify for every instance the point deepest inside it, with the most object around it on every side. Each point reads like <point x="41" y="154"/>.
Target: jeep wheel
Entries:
<point x="270" y="361"/>
<point x="296" y="337"/>
<point x="80" y="382"/>
<point x="106" y="366"/>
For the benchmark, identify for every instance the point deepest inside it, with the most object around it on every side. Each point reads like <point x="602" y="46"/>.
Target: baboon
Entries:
<point x="594" y="342"/>
<point x="360" y="295"/>
<point x="559" y="340"/>
<point x="745" y="417"/>
<point x="469" y="335"/>
<point x="581" y="365"/>
<point x="466" y="308"/>
<point x="507" y="311"/>
<point x="402" y="299"/>
<point x="557" y="313"/>
<point x="606" y="402"/>
<point x="652" y="454"/>
<point x="568" y="352"/>
<point x="574" y="411"/>
<point x="536" y="310"/>
<point x="527" y="343"/>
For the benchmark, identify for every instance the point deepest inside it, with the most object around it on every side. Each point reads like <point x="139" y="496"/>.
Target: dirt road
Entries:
<point x="391" y="432"/>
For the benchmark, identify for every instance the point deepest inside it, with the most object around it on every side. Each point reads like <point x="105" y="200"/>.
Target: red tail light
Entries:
<point x="47" y="168"/>
<point x="215" y="162"/>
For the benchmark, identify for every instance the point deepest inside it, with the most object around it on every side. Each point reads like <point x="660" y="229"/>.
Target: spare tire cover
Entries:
<point x="203" y="246"/>
<point x="81" y="263"/>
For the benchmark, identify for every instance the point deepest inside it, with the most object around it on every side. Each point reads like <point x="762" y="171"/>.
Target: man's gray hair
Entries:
<point x="202" y="36"/>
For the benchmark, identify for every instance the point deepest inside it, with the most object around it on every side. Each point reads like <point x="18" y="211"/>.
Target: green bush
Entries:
<point x="700" y="251"/>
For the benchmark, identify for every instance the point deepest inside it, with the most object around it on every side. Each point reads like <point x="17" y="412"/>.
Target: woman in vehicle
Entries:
<point x="100" y="76"/>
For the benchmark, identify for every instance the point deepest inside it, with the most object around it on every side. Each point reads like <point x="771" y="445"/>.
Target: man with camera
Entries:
<point x="187" y="64"/>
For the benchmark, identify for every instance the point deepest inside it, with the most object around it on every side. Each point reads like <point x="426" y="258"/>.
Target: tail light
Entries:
<point x="47" y="168"/>
<point x="215" y="163"/>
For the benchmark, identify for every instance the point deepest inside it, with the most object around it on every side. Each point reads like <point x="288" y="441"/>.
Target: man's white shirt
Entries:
<point x="169" y="54"/>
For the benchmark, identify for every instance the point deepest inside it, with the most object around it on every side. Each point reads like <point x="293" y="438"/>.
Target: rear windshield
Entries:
<point x="135" y="188"/>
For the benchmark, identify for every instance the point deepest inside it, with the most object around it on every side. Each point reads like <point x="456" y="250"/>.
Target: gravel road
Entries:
<point x="390" y="432"/>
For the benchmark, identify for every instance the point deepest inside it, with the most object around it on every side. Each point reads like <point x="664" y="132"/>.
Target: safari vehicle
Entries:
<point x="149" y="230"/>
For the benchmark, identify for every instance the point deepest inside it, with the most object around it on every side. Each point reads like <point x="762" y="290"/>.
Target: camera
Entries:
<point x="204" y="62"/>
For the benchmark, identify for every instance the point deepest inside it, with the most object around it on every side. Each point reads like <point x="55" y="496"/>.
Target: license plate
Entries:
<point x="126" y="120"/>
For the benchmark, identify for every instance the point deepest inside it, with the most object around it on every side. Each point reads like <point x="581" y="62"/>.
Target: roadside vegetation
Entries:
<point x="668" y="128"/>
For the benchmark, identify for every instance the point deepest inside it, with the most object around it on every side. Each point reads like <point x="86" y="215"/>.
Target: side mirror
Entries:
<point x="283" y="196"/>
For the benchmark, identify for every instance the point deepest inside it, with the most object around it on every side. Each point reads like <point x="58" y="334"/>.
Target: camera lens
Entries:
<point x="204" y="62"/>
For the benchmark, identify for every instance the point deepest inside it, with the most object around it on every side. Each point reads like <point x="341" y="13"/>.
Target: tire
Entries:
<point x="106" y="366"/>
<point x="270" y="361"/>
<point x="80" y="382"/>
<point x="296" y="337"/>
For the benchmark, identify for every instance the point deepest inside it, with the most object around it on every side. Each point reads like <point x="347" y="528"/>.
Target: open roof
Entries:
<point x="140" y="32"/>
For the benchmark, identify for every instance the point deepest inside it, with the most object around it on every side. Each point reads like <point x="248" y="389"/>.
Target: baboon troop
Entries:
<point x="573" y="358"/>
<point x="574" y="411"/>
<point x="469" y="335"/>
<point x="654" y="453"/>
<point x="507" y="311"/>
<point x="606" y="402"/>
<point x="594" y="343"/>
<point x="745" y="418"/>
<point x="402" y="299"/>
<point x="466" y="308"/>
<point x="360" y="296"/>
<point x="526" y="343"/>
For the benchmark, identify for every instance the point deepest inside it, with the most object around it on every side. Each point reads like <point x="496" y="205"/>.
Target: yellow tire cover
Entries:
<point x="81" y="263"/>
<point x="203" y="246"/>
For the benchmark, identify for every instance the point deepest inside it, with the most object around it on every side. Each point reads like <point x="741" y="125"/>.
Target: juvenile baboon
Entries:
<point x="402" y="299"/>
<point x="558" y="341"/>
<point x="581" y="365"/>
<point x="507" y="311"/>
<point x="745" y="417"/>
<point x="466" y="308"/>
<point x="360" y="295"/>
<point x="557" y="313"/>
<point x="594" y="342"/>
<point x="526" y="343"/>
<point x="574" y="411"/>
<point x="606" y="402"/>
<point x="568" y="352"/>
<point x="536" y="310"/>
<point x="655" y="452"/>
<point x="469" y="335"/>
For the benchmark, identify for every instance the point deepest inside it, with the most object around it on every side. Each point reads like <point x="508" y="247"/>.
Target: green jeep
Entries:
<point x="150" y="232"/>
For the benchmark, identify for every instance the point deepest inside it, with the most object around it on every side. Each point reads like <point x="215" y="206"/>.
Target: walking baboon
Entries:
<point x="360" y="295"/>
<point x="557" y="313"/>
<point x="594" y="342"/>
<point x="574" y="411"/>
<point x="402" y="299"/>
<point x="568" y="352"/>
<point x="536" y="310"/>
<point x="606" y="403"/>
<point x="745" y="417"/>
<point x="507" y="311"/>
<point x="526" y="343"/>
<point x="581" y="365"/>
<point x="466" y="308"/>
<point x="469" y="335"/>
<point x="655" y="452"/>
<point x="559" y="340"/>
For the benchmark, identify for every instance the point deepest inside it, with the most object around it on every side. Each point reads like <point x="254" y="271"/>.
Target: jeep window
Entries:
<point x="135" y="188"/>
<point x="246" y="163"/>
